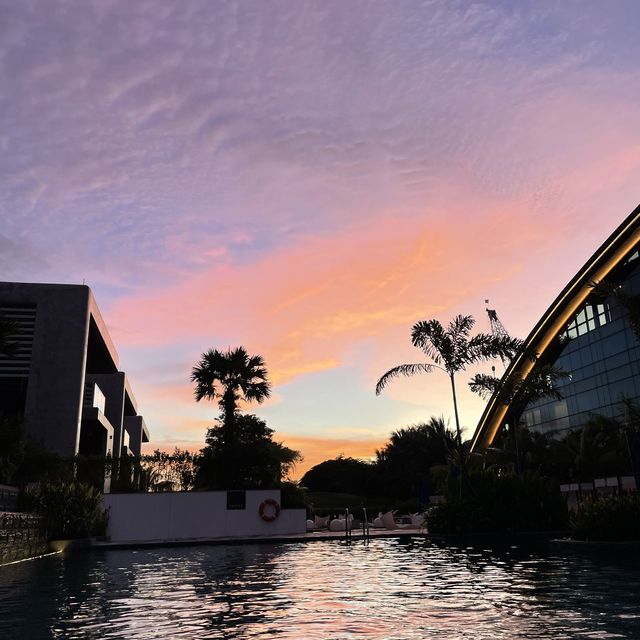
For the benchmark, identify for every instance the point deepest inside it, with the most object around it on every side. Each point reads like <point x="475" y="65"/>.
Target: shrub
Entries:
<point x="612" y="518"/>
<point x="500" y="504"/>
<point x="68" y="510"/>
<point x="293" y="496"/>
<point x="343" y="475"/>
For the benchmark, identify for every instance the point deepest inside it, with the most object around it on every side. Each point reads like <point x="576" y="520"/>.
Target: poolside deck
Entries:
<point x="310" y="536"/>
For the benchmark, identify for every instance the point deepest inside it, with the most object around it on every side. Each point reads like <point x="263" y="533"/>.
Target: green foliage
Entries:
<point x="23" y="461"/>
<point x="520" y="393"/>
<point x="327" y="502"/>
<point x="611" y="518"/>
<point x="250" y="459"/>
<point x="628" y="301"/>
<point x="404" y="469"/>
<point x="240" y="452"/>
<point x="68" y="510"/>
<point x="599" y="449"/>
<point x="405" y="464"/>
<point x="500" y="504"/>
<point x="229" y="376"/>
<point x="451" y="350"/>
<point x="344" y="475"/>
<point x="160" y="471"/>
<point x="293" y="496"/>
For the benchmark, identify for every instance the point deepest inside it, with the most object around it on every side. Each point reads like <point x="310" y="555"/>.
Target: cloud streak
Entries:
<point x="310" y="179"/>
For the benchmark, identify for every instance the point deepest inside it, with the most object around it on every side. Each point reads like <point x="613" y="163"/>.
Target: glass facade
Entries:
<point x="602" y="355"/>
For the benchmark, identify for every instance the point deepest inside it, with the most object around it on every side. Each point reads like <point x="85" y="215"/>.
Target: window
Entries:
<point x="236" y="500"/>
<point x="590" y="317"/>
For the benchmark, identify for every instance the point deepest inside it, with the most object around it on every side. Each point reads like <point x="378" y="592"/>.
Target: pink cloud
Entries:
<point x="304" y="305"/>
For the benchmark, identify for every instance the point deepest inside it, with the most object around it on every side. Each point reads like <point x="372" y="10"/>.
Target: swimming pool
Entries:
<point x="383" y="589"/>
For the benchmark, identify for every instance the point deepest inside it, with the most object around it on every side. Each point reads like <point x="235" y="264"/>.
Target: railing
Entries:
<point x="365" y="524"/>
<point x="577" y="492"/>
<point x="348" y="525"/>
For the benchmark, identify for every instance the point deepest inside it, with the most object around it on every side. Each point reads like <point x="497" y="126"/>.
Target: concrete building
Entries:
<point x="588" y="334"/>
<point x="64" y="378"/>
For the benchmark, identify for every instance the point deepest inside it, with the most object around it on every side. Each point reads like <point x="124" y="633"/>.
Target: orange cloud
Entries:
<point x="314" y="450"/>
<point x="328" y="302"/>
<point x="304" y="306"/>
<point x="317" y="450"/>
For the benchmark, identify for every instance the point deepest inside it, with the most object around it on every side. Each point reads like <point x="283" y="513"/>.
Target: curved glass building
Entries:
<point x="588" y="333"/>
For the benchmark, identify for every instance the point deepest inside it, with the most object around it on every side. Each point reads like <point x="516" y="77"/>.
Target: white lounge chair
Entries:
<point x="339" y="524"/>
<point x="389" y="521"/>
<point x="417" y="520"/>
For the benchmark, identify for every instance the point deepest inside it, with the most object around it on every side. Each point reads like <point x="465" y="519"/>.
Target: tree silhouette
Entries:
<point x="228" y="377"/>
<point x="343" y="475"/>
<point x="252" y="461"/>
<point x="406" y="461"/>
<point x="451" y="350"/>
<point x="520" y="393"/>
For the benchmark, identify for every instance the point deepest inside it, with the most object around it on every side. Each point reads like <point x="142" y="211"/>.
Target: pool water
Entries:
<point x="389" y="589"/>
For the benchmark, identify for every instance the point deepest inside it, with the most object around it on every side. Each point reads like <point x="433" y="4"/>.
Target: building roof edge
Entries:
<point x="597" y="267"/>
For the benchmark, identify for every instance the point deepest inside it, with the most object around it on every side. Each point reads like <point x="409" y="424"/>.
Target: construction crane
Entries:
<point x="498" y="330"/>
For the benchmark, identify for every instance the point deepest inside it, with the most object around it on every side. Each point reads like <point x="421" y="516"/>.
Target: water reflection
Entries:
<point x="384" y="589"/>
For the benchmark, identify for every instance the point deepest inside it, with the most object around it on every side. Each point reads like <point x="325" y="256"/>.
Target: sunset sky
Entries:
<point x="308" y="179"/>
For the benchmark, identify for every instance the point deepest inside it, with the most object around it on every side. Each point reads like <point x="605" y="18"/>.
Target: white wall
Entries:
<point x="143" y="517"/>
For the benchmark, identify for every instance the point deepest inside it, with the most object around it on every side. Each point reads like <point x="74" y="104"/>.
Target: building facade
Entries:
<point x="589" y="333"/>
<point x="64" y="377"/>
<point x="602" y="356"/>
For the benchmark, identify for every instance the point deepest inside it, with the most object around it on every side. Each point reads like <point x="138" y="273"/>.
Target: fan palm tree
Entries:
<point x="229" y="376"/>
<point x="451" y="350"/>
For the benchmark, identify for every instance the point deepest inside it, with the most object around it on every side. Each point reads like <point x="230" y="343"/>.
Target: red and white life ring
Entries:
<point x="269" y="510"/>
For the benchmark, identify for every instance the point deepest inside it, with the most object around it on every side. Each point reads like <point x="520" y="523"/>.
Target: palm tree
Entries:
<point x="406" y="461"/>
<point x="229" y="376"/>
<point x="451" y="350"/>
<point x="519" y="394"/>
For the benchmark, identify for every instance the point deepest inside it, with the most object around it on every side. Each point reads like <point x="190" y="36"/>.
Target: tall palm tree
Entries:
<point x="229" y="376"/>
<point x="451" y="350"/>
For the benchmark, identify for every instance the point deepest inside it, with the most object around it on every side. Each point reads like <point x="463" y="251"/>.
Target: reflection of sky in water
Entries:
<point x="386" y="589"/>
